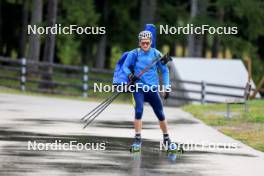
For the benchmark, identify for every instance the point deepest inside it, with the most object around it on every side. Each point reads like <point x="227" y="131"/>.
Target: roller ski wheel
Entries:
<point x="178" y="149"/>
<point x="175" y="151"/>
<point x="136" y="147"/>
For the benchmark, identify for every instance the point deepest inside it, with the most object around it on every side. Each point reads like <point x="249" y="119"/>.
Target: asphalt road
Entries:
<point x="26" y="119"/>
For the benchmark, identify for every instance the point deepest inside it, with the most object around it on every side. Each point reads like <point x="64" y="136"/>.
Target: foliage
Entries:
<point x="81" y="13"/>
<point x="122" y="18"/>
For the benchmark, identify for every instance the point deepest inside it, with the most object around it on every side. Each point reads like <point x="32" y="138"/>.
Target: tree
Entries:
<point x="72" y="49"/>
<point x="195" y="42"/>
<point x="172" y="13"/>
<point x="101" y="48"/>
<point x="10" y="15"/>
<point x="23" y="31"/>
<point x="147" y="12"/>
<point x="50" y="40"/>
<point x="248" y="17"/>
<point x="34" y="39"/>
<point x="1" y="39"/>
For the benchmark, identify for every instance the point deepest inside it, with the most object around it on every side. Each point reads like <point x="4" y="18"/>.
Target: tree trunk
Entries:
<point x="191" y="37"/>
<point x="101" y="53"/>
<point x="215" y="47"/>
<point x="50" y="41"/>
<point x="108" y="57"/>
<point x="101" y="48"/>
<point x="195" y="42"/>
<point x="216" y="40"/>
<point x="204" y="45"/>
<point x="1" y="38"/>
<point x="147" y="12"/>
<point x="173" y="49"/>
<point x="23" y="32"/>
<point x="195" y="45"/>
<point x="34" y="39"/>
<point x="86" y="55"/>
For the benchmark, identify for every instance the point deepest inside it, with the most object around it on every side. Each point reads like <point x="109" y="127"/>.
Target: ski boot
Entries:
<point x="136" y="146"/>
<point x="170" y="148"/>
<point x="175" y="148"/>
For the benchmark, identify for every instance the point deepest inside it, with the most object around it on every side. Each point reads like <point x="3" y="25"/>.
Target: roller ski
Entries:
<point x="136" y="146"/>
<point x="175" y="148"/>
<point x="172" y="148"/>
<point x="174" y="151"/>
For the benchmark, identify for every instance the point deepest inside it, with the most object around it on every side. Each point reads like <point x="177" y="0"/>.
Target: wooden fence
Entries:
<point x="57" y="78"/>
<point x="203" y="91"/>
<point x="26" y="73"/>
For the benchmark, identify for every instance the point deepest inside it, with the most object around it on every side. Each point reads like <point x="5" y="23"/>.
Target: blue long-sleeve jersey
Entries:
<point x="144" y="59"/>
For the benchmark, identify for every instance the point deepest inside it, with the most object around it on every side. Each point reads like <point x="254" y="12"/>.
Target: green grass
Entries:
<point x="246" y="127"/>
<point x="123" y="99"/>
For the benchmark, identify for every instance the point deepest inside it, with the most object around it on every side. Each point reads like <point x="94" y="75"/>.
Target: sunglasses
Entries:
<point x="145" y="43"/>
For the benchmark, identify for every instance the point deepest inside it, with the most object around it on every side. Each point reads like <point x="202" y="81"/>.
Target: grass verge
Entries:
<point x="246" y="127"/>
<point x="123" y="99"/>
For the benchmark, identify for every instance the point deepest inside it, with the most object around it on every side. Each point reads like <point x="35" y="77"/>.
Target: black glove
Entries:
<point x="133" y="78"/>
<point x="165" y="59"/>
<point x="166" y="95"/>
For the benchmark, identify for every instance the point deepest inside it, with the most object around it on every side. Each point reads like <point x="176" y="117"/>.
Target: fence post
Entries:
<point x="203" y="92"/>
<point x="23" y="74"/>
<point x="85" y="81"/>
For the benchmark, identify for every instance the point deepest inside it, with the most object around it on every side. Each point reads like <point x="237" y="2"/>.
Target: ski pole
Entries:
<point x="102" y="106"/>
<point x="97" y="107"/>
<point x="90" y="119"/>
<point x="94" y="111"/>
<point x="101" y="110"/>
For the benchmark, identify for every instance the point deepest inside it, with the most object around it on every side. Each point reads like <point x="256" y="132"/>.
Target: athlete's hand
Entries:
<point x="133" y="78"/>
<point x="166" y="95"/>
<point x="165" y="59"/>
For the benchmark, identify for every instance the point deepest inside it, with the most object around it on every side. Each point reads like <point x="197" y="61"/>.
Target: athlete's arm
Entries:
<point x="164" y="70"/>
<point x="127" y="64"/>
<point x="165" y="74"/>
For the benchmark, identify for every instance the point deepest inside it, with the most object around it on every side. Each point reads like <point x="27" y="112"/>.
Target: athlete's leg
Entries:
<point x="156" y="104"/>
<point x="137" y="125"/>
<point x="139" y="102"/>
<point x="163" y="126"/>
<point x="154" y="100"/>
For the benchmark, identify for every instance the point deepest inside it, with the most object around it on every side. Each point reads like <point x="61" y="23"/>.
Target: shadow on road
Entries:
<point x="115" y="159"/>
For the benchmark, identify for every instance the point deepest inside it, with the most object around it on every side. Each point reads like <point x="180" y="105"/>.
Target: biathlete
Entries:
<point x="145" y="56"/>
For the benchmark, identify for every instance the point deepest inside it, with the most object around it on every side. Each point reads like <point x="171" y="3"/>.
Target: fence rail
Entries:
<point x="23" y="72"/>
<point x="27" y="72"/>
<point x="204" y="92"/>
